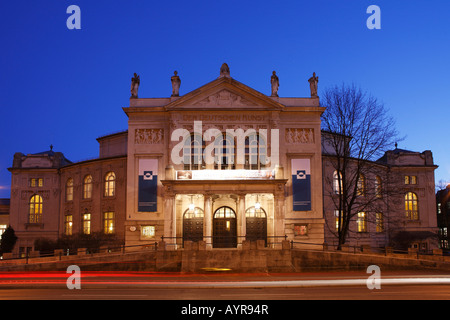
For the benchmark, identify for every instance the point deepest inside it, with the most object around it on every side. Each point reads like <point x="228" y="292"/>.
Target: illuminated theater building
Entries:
<point x="221" y="164"/>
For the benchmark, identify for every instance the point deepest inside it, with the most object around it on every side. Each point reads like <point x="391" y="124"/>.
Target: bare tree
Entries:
<point x="357" y="131"/>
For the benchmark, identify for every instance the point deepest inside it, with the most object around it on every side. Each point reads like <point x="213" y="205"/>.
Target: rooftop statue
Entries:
<point x="135" y="81"/>
<point x="313" y="84"/>
<point x="224" y="70"/>
<point x="275" y="82"/>
<point x="176" y="82"/>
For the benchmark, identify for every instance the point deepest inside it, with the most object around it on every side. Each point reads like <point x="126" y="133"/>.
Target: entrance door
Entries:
<point x="256" y="224"/>
<point x="224" y="228"/>
<point x="193" y="225"/>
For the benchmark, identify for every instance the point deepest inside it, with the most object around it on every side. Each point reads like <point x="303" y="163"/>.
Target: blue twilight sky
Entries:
<point x="67" y="87"/>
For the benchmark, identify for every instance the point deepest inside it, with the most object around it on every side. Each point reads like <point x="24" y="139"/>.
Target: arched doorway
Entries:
<point x="224" y="228"/>
<point x="256" y="224"/>
<point x="193" y="225"/>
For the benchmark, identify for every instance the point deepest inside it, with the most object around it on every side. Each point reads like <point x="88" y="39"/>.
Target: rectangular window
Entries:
<point x="379" y="222"/>
<point x="36" y="182"/>
<point x="108" y="222"/>
<point x="410" y="179"/>
<point x="361" y="222"/>
<point x="87" y="223"/>
<point x="2" y="229"/>
<point x="68" y="223"/>
<point x="147" y="232"/>
<point x="336" y="215"/>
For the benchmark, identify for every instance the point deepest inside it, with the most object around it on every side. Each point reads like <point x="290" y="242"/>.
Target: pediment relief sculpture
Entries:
<point x="224" y="98"/>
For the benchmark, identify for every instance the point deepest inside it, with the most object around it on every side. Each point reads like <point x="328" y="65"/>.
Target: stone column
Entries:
<point x="279" y="218"/>
<point x="242" y="230"/>
<point x="207" y="220"/>
<point x="170" y="221"/>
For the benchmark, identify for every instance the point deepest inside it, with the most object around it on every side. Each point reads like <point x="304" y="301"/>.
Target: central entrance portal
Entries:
<point x="224" y="228"/>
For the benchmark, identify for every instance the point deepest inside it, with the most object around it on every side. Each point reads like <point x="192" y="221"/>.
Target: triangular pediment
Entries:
<point x="224" y="93"/>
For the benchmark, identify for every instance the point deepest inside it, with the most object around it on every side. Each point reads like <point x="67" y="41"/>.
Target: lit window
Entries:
<point x="410" y="179"/>
<point x="361" y="185"/>
<point x="69" y="189"/>
<point x="337" y="182"/>
<point x="379" y="222"/>
<point x="110" y="184"/>
<point x="195" y="212"/>
<point x="439" y="210"/>
<point x="87" y="187"/>
<point x="411" y="206"/>
<point x="337" y="215"/>
<point x="254" y="212"/>
<point x="148" y="232"/>
<point x="361" y="222"/>
<point x="36" y="182"/>
<point x="35" y="209"/>
<point x="3" y="228"/>
<point x="68" y="223"/>
<point x="108" y="222"/>
<point x="87" y="223"/>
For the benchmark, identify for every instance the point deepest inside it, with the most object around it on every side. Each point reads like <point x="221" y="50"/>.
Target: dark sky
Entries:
<point x="68" y="87"/>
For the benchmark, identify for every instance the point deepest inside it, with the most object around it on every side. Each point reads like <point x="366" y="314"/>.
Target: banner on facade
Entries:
<point x="301" y="184"/>
<point x="148" y="180"/>
<point x="224" y="174"/>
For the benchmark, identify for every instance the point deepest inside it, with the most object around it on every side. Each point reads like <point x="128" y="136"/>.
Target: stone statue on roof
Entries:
<point x="275" y="82"/>
<point x="135" y="81"/>
<point x="313" y="84"/>
<point x="224" y="70"/>
<point x="176" y="82"/>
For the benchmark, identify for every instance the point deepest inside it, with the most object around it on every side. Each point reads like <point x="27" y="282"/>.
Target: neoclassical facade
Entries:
<point x="223" y="157"/>
<point x="221" y="164"/>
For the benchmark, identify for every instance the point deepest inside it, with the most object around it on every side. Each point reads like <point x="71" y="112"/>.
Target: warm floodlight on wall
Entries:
<point x="191" y="205"/>
<point x="257" y="204"/>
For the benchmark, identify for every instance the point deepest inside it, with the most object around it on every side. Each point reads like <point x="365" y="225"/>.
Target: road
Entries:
<point x="410" y="292"/>
<point x="223" y="286"/>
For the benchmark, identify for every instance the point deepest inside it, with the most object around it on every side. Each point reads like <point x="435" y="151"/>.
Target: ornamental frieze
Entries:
<point x="299" y="135"/>
<point x="149" y="136"/>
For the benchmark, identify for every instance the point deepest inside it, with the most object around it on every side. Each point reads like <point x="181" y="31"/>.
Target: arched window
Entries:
<point x="411" y="206"/>
<point x="69" y="189"/>
<point x="195" y="213"/>
<point x="252" y="212"/>
<point x="224" y="212"/>
<point x="337" y="182"/>
<point x="35" y="209"/>
<point x="110" y="184"/>
<point x="87" y="187"/>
